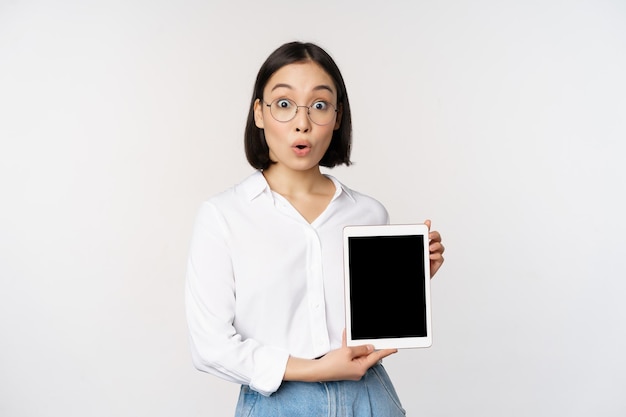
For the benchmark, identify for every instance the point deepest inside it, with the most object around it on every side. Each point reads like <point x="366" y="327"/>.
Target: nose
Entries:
<point x="302" y="121"/>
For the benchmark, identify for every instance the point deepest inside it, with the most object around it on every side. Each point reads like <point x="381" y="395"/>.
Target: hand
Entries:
<point x="350" y="362"/>
<point x="345" y="363"/>
<point x="436" y="249"/>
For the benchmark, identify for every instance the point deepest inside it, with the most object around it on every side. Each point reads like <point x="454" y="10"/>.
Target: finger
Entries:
<point x="427" y="223"/>
<point x="436" y="247"/>
<point x="436" y="260"/>
<point x="380" y="354"/>
<point x="357" y="351"/>
<point x="436" y="254"/>
<point x="434" y="236"/>
<point x="361" y="350"/>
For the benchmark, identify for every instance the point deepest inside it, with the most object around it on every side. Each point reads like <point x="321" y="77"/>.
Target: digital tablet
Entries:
<point x="387" y="286"/>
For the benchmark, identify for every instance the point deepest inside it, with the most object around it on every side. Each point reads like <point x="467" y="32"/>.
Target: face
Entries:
<point x="298" y="144"/>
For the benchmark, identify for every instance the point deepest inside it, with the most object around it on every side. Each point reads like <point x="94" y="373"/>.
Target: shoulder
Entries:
<point x="366" y="200"/>
<point x="236" y="198"/>
<point x="363" y="202"/>
<point x="246" y="190"/>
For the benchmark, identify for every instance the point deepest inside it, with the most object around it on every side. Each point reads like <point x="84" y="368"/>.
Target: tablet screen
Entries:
<point x="387" y="297"/>
<point x="387" y="287"/>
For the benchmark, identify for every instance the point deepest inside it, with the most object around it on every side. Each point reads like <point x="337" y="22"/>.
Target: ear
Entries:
<point x="258" y="113"/>
<point x="338" y="119"/>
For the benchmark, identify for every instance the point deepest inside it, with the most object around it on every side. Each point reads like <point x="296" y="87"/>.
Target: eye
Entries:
<point x="320" y="105"/>
<point x="283" y="103"/>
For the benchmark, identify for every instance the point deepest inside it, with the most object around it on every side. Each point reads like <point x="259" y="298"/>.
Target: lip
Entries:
<point x="301" y="147"/>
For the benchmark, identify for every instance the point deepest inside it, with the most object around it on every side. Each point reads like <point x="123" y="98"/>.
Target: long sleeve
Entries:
<point x="216" y="346"/>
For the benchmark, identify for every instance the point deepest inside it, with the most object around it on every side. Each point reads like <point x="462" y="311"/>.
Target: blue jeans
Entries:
<point x="371" y="396"/>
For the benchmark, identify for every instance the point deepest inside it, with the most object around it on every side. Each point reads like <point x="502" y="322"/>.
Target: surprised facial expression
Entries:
<point x="299" y="143"/>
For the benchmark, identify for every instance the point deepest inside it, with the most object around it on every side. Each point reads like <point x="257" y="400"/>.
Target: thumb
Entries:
<point x="361" y="350"/>
<point x="357" y="351"/>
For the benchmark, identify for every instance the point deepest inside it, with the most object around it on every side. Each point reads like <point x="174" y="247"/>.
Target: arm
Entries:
<point x="216" y="345"/>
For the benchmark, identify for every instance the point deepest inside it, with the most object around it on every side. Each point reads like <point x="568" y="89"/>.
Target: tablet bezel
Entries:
<point x="400" y="342"/>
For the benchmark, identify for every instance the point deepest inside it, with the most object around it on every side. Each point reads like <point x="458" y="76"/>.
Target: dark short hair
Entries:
<point x="257" y="151"/>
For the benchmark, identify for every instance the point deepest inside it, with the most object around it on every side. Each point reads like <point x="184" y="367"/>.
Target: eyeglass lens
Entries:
<point x="320" y="112"/>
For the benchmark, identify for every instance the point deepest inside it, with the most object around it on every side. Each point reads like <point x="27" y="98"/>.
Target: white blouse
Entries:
<point x="263" y="283"/>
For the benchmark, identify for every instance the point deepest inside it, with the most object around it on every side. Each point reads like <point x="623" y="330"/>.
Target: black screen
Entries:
<point x="387" y="287"/>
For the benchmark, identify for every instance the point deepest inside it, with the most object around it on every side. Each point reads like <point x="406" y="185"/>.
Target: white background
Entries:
<point x="504" y="122"/>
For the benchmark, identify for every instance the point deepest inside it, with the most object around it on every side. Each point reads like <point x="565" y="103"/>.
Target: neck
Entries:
<point x="290" y="182"/>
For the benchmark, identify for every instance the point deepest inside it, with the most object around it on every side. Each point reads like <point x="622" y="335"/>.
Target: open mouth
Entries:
<point x="301" y="146"/>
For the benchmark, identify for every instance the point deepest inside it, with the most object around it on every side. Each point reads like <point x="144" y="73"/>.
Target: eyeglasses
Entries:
<point x="283" y="110"/>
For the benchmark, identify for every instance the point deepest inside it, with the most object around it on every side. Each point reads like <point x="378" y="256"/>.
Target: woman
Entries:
<point x="264" y="284"/>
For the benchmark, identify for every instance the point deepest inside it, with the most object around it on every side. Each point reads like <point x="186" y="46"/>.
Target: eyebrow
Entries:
<point x="317" y="88"/>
